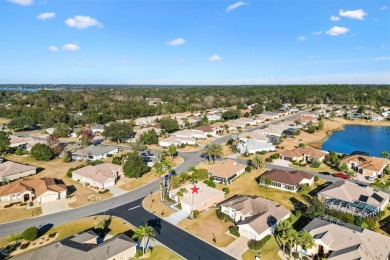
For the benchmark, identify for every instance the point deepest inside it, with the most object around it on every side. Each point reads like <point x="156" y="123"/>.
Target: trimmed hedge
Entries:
<point x="257" y="245"/>
<point x="226" y="190"/>
<point x="103" y="191"/>
<point x="234" y="231"/>
<point x="195" y="213"/>
<point x="30" y="234"/>
<point x="24" y="246"/>
<point x="209" y="183"/>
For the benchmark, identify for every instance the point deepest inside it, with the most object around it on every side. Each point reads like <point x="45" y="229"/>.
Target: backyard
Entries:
<point x="268" y="252"/>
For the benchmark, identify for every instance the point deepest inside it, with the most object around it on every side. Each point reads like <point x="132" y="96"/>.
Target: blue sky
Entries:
<point x="194" y="42"/>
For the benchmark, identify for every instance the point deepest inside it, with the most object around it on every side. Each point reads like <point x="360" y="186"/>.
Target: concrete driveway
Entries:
<point x="237" y="248"/>
<point x="116" y="191"/>
<point x="281" y="162"/>
<point x="54" y="206"/>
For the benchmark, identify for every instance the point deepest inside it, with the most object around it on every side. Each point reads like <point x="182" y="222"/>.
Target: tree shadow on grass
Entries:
<point x="319" y="188"/>
<point x="385" y="224"/>
<point x="44" y="229"/>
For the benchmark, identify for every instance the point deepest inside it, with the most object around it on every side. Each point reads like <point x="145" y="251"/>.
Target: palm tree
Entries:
<point x="292" y="236"/>
<point x="181" y="192"/>
<point x="281" y="232"/>
<point x="343" y="167"/>
<point x="207" y="152"/>
<point x="258" y="161"/>
<point x="385" y="154"/>
<point x="143" y="232"/>
<point x="217" y="151"/>
<point x="380" y="184"/>
<point x="305" y="240"/>
<point x="163" y="167"/>
<point x="172" y="151"/>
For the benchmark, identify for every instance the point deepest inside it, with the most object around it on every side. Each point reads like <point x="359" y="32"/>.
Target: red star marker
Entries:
<point x="195" y="189"/>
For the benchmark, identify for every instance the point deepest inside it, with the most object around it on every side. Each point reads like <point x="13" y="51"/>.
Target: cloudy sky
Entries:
<point x="194" y="42"/>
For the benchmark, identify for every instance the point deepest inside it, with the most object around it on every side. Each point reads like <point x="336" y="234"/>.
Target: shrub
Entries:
<point x="31" y="203"/>
<point x="234" y="231"/>
<point x="298" y="213"/>
<point x="24" y="246"/>
<point x="66" y="159"/>
<point x="275" y="156"/>
<point x="226" y="190"/>
<point x="209" y="183"/>
<point x="316" y="178"/>
<point x="220" y="215"/>
<point x="19" y="151"/>
<point x="23" y="204"/>
<point x="15" y="237"/>
<point x="295" y="255"/>
<point x="248" y="169"/>
<point x="182" y="145"/>
<point x="138" y="253"/>
<point x="52" y="234"/>
<point x="103" y="191"/>
<point x="257" y="245"/>
<point x="269" y="159"/>
<point x="30" y="234"/>
<point x="7" y="206"/>
<point x="195" y="213"/>
<point x="109" y="155"/>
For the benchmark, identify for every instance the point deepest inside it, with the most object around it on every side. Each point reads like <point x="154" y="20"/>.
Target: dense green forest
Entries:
<point x="101" y="105"/>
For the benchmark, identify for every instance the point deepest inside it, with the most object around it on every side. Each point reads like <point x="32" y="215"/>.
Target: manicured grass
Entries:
<point x="14" y="213"/>
<point x="162" y="253"/>
<point x="206" y="225"/>
<point x="153" y="204"/>
<point x="116" y="227"/>
<point x="247" y="184"/>
<point x="323" y="168"/>
<point x="268" y="252"/>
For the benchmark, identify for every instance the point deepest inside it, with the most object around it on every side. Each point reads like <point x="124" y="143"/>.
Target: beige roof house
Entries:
<point x="285" y="180"/>
<point x="12" y="170"/>
<point x="340" y="242"/>
<point x="205" y="197"/>
<point x="352" y="192"/>
<point x="367" y="165"/>
<point x="259" y="135"/>
<point x="102" y="175"/>
<point x="82" y="246"/>
<point x="256" y="217"/>
<point x="226" y="170"/>
<point x="34" y="188"/>
<point x="305" y="153"/>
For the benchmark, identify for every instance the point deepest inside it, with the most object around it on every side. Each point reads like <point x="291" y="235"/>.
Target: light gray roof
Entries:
<point x="349" y="242"/>
<point x="72" y="248"/>
<point x="95" y="150"/>
<point x="9" y="168"/>
<point x="349" y="191"/>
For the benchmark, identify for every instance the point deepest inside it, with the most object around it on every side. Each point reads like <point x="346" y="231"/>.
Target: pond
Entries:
<point x="370" y="139"/>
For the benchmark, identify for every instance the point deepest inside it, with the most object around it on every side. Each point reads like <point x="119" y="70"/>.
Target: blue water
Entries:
<point x="370" y="139"/>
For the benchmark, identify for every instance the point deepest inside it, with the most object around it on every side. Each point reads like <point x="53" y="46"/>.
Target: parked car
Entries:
<point x="371" y="178"/>
<point x="325" y="173"/>
<point x="341" y="175"/>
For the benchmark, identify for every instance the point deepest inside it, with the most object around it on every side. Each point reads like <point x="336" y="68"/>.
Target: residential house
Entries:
<point x="225" y="171"/>
<point x="40" y="190"/>
<point x="94" y="152"/>
<point x="207" y="129"/>
<point x="270" y="115"/>
<point x="339" y="241"/>
<point x="259" y="135"/>
<point x="284" y="180"/>
<point x="255" y="217"/>
<point x="357" y="200"/>
<point x="23" y="141"/>
<point x="190" y="133"/>
<point x="85" y="245"/>
<point x="101" y="176"/>
<point x="305" y="154"/>
<point x="75" y="132"/>
<point x="50" y="130"/>
<point x="214" y="117"/>
<point x="252" y="146"/>
<point x="145" y="120"/>
<point x="12" y="170"/>
<point x="97" y="129"/>
<point x="354" y="115"/>
<point x="367" y="165"/>
<point x="205" y="198"/>
<point x="176" y="141"/>
<point x="307" y="119"/>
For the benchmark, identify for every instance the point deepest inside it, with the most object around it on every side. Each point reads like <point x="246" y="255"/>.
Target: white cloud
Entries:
<point x="214" y="58"/>
<point x="82" y="22"/>
<point x="71" y="47"/>
<point x="235" y="5"/>
<point x="382" y="45"/>
<point x="384" y="8"/>
<point x="354" y="14"/>
<point x="334" y="18"/>
<point x="337" y="30"/>
<point x="21" y="2"/>
<point x="176" y="42"/>
<point x="53" y="48"/>
<point x="301" y="38"/>
<point x="382" y="58"/>
<point x="44" y="16"/>
<point x="124" y="62"/>
<point x="317" y="33"/>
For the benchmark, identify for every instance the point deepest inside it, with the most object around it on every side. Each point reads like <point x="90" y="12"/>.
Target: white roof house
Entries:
<point x="12" y="170"/>
<point x="101" y="175"/>
<point x="94" y="152"/>
<point x="175" y="140"/>
<point x="190" y="133"/>
<point x="252" y="146"/>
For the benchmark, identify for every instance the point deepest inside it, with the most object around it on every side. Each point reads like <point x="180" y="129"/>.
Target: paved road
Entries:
<point x="171" y="236"/>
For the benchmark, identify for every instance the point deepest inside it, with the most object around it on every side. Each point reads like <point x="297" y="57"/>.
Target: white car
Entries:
<point x="371" y="178"/>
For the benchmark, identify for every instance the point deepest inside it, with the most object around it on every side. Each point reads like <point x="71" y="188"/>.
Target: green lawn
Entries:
<point x="269" y="252"/>
<point x="162" y="253"/>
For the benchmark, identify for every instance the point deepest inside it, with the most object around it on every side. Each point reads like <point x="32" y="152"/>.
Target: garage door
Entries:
<point x="246" y="233"/>
<point x="48" y="198"/>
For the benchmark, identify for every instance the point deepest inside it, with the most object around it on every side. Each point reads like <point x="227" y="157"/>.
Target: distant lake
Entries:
<point x="370" y="139"/>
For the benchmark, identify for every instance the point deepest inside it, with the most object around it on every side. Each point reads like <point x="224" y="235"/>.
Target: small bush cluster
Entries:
<point x="209" y="183"/>
<point x="257" y="245"/>
<point x="226" y="190"/>
<point x="138" y="253"/>
<point x="30" y="234"/>
<point x="12" y="204"/>
<point x="234" y="231"/>
<point x="103" y="191"/>
<point x="195" y="214"/>
<point x="24" y="246"/>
